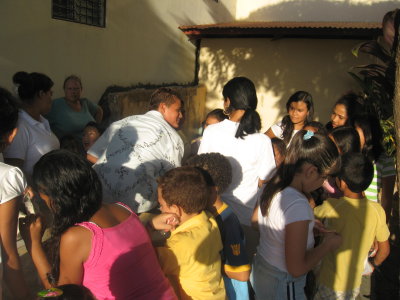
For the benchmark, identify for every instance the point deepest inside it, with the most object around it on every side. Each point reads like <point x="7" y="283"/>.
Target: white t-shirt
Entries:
<point x="287" y="206"/>
<point x="278" y="131"/>
<point x="131" y="154"/>
<point x="12" y="185"/>
<point x="251" y="158"/>
<point x="33" y="140"/>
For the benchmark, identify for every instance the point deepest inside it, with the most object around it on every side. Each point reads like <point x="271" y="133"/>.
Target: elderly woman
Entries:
<point x="70" y="114"/>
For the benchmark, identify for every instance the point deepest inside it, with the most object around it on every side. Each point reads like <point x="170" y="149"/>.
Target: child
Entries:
<point x="383" y="182"/>
<point x="91" y="133"/>
<point x="359" y="221"/>
<point x="215" y="116"/>
<point x="279" y="147"/>
<point x="286" y="221"/>
<point x="346" y="139"/>
<point x="234" y="257"/>
<point x="300" y="109"/>
<point x="12" y="187"/>
<point x="101" y="246"/>
<point x="344" y="111"/>
<point x="191" y="257"/>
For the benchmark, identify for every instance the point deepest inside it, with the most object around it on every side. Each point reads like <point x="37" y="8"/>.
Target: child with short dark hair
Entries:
<point x="359" y="221"/>
<point x="234" y="257"/>
<point x="191" y="256"/>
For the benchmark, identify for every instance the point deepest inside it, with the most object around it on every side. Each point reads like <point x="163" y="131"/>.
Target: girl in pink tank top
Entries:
<point x="101" y="246"/>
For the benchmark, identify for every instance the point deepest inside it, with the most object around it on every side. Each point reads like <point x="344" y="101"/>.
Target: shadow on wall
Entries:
<point x="279" y="67"/>
<point x="332" y="10"/>
<point x="157" y="51"/>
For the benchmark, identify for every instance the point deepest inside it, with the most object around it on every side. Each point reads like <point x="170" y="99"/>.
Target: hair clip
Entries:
<point x="50" y="293"/>
<point x="309" y="134"/>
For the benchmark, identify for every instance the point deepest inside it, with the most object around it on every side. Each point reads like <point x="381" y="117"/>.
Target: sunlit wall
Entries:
<point x="140" y="44"/>
<point x="279" y="68"/>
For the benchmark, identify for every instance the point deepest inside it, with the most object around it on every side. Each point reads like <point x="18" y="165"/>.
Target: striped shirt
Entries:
<point x="384" y="167"/>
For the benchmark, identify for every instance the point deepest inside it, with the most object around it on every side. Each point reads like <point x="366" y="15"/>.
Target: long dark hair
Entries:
<point x="29" y="85"/>
<point x="351" y="101"/>
<point x="242" y="95"/>
<point x="287" y="124"/>
<point x="372" y="130"/>
<point x="317" y="150"/>
<point x="74" y="191"/>
<point x="8" y="115"/>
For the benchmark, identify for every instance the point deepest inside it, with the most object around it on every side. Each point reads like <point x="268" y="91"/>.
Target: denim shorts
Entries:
<point x="273" y="284"/>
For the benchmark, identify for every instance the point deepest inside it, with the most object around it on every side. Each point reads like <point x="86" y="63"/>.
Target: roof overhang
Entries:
<point x="318" y="30"/>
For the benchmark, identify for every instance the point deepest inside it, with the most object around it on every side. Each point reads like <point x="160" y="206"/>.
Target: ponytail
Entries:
<point x="250" y="123"/>
<point x="241" y="93"/>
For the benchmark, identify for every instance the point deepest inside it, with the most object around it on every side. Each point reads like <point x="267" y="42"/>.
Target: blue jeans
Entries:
<point x="273" y="284"/>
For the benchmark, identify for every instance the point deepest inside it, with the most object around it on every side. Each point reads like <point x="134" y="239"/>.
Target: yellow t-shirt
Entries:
<point x="191" y="259"/>
<point x="359" y="221"/>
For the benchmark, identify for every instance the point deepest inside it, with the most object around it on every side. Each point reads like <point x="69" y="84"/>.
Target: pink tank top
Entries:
<point x="122" y="263"/>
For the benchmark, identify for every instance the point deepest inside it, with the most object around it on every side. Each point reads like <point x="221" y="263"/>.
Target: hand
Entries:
<point x="333" y="240"/>
<point x="320" y="229"/>
<point x="31" y="229"/>
<point x="165" y="221"/>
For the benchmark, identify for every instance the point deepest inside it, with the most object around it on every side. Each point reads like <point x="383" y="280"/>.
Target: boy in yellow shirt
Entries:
<point x="191" y="258"/>
<point x="359" y="221"/>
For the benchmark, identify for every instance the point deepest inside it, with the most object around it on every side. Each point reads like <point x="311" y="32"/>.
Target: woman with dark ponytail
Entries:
<point x="249" y="152"/>
<point x="34" y="137"/>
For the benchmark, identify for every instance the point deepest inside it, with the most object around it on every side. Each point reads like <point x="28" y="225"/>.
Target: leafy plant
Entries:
<point x="377" y="80"/>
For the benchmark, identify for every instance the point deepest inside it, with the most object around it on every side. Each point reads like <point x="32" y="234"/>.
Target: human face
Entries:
<point x="45" y="101"/>
<point x="339" y="115"/>
<point x="172" y="113"/>
<point x="298" y="113"/>
<point x="90" y="135"/>
<point x="72" y="90"/>
<point x="315" y="179"/>
<point x="163" y="205"/>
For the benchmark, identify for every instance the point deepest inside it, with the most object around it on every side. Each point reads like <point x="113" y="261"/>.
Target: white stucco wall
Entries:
<point x="314" y="10"/>
<point x="141" y="42"/>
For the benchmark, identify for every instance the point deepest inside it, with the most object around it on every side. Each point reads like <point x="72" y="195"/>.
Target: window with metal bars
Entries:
<point x="90" y="12"/>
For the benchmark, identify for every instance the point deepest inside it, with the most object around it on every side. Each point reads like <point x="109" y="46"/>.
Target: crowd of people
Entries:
<point x="245" y="215"/>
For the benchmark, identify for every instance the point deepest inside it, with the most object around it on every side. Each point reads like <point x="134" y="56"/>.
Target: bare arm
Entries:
<point x="299" y="260"/>
<point x="387" y="195"/>
<point x="270" y="133"/>
<point x="382" y="253"/>
<point x="75" y="246"/>
<point x="99" y="114"/>
<point x="13" y="274"/>
<point x="31" y="229"/>
<point x="91" y="158"/>
<point x="254" y="218"/>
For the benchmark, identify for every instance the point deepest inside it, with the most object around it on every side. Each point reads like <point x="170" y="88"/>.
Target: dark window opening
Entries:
<point x="90" y="12"/>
